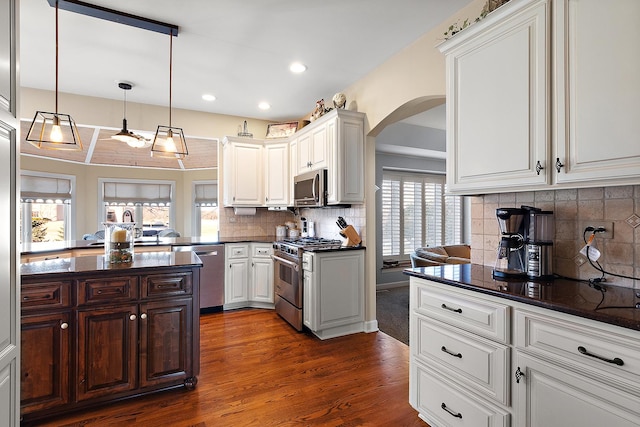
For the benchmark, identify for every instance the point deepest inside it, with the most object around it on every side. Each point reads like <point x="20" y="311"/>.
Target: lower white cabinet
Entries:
<point x="551" y="370"/>
<point x="248" y="280"/>
<point x="333" y="294"/>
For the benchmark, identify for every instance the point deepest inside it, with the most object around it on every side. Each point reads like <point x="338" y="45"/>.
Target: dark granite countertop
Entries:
<point x="47" y="247"/>
<point x="88" y="264"/>
<point x="341" y="248"/>
<point x="603" y="302"/>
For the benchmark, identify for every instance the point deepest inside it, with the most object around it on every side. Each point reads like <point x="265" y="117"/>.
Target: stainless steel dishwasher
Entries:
<point x="211" y="275"/>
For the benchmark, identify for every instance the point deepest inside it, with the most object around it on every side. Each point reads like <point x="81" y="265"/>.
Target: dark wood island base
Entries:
<point x="94" y="332"/>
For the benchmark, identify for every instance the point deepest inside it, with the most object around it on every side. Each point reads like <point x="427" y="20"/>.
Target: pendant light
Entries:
<point x="125" y="135"/>
<point x="169" y="141"/>
<point x="54" y="131"/>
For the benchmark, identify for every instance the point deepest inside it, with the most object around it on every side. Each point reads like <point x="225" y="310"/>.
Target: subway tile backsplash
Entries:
<point x="572" y="208"/>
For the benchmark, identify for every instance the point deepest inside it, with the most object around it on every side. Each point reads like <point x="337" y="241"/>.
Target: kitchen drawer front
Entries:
<point x="442" y="404"/>
<point x="236" y="251"/>
<point x="474" y="362"/>
<point x="164" y="285"/>
<point x="45" y="295"/>
<point x="261" y="251"/>
<point x="472" y="313"/>
<point x="610" y="354"/>
<point x="115" y="289"/>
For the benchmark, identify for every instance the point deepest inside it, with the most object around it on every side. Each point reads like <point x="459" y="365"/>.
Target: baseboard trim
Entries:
<point x="371" y="326"/>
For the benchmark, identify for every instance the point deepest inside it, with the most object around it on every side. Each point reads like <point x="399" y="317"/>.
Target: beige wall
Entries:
<point x="620" y="255"/>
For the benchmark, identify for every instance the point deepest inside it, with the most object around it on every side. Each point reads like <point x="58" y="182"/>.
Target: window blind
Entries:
<point x="206" y="195"/>
<point x="136" y="193"/>
<point x="44" y="189"/>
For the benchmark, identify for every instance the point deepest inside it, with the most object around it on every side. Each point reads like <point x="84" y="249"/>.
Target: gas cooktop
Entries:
<point x="311" y="242"/>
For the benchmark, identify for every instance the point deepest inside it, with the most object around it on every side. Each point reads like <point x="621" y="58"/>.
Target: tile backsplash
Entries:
<point x="617" y="205"/>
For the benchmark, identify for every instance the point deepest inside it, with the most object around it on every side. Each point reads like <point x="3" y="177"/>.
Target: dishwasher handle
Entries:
<point x="207" y="253"/>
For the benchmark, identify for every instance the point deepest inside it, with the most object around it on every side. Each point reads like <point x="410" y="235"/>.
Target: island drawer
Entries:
<point x="114" y="289"/>
<point x="164" y="285"/>
<point x="487" y="318"/>
<point x="606" y="352"/>
<point x="45" y="295"/>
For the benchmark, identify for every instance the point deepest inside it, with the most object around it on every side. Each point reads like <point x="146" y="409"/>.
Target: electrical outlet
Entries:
<point x="607" y="225"/>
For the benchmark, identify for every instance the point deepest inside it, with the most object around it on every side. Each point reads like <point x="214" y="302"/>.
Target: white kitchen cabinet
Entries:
<point x="596" y="68"/>
<point x="498" y="100"/>
<point x="346" y="172"/>
<point x="243" y="172"/>
<point x="248" y="276"/>
<point x="548" y="84"/>
<point x="277" y="181"/>
<point x="313" y="149"/>
<point x="333" y="298"/>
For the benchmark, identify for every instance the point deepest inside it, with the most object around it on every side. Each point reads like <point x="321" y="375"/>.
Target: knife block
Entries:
<point x="353" y="238"/>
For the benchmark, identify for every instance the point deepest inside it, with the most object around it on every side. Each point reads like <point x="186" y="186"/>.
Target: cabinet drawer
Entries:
<point x="162" y="285"/>
<point x="45" y="295"/>
<point x="483" y="317"/>
<point x="604" y="353"/>
<point x="115" y="289"/>
<point x="442" y="404"/>
<point x="474" y="362"/>
<point x="262" y="251"/>
<point x="237" y="251"/>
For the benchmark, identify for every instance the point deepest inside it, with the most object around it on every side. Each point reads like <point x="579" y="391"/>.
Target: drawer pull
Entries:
<point x="458" y="355"/>
<point x="457" y="310"/>
<point x="519" y="375"/>
<point x="450" y="412"/>
<point x="615" y="360"/>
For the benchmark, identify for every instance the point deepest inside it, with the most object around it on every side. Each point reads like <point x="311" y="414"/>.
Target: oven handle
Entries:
<point x="295" y="266"/>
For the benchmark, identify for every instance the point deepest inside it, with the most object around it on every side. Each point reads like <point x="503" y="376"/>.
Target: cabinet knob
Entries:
<point x="143" y="316"/>
<point x="132" y="317"/>
<point x="519" y="375"/>
<point x="538" y="167"/>
<point x="64" y="325"/>
<point x="559" y="164"/>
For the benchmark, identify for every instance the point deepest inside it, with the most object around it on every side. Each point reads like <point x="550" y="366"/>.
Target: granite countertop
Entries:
<point x="603" y="302"/>
<point x="45" y="247"/>
<point x="88" y="264"/>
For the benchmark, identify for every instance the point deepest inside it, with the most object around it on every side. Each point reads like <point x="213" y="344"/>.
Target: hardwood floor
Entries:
<point x="258" y="371"/>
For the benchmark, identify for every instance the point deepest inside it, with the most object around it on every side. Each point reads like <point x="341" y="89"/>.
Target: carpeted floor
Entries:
<point x="392" y="311"/>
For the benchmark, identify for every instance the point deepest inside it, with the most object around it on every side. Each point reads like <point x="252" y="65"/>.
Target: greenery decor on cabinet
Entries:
<point x="489" y="6"/>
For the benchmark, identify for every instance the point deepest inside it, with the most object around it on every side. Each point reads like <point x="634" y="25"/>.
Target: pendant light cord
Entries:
<point x="170" y="72"/>
<point x="56" y="57"/>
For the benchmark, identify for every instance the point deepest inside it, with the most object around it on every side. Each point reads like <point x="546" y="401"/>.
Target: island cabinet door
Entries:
<point x="166" y="342"/>
<point x="107" y="351"/>
<point x="45" y="361"/>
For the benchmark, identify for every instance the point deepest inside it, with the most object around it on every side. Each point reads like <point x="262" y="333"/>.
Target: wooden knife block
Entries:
<point x="353" y="238"/>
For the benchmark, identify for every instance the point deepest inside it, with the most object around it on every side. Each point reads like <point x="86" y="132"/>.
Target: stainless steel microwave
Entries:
<point x="310" y="189"/>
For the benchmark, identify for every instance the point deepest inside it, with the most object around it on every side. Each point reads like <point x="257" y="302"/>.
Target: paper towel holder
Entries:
<point x="244" y="211"/>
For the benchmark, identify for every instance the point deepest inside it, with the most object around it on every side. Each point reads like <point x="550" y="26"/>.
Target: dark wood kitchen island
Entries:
<point x="94" y="332"/>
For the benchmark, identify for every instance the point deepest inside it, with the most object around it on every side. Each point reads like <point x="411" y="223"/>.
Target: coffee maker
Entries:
<point x="510" y="260"/>
<point x="526" y="243"/>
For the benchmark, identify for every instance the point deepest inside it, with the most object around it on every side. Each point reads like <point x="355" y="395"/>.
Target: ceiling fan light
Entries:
<point x="54" y="131"/>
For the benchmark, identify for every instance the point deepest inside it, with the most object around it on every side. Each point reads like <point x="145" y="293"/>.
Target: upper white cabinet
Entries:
<point x="345" y="135"/>
<point x="497" y="100"/>
<point x="243" y="172"/>
<point x="596" y="70"/>
<point x="313" y="149"/>
<point x="277" y="179"/>
<point x="543" y="94"/>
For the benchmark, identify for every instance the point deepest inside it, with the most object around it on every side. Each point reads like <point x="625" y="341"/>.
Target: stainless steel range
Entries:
<point x="288" y="274"/>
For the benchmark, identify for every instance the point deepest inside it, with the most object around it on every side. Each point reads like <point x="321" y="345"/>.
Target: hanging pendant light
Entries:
<point x="54" y="131"/>
<point x="169" y="141"/>
<point x="125" y="135"/>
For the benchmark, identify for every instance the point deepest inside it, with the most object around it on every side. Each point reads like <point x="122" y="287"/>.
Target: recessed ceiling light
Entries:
<point x="297" y="67"/>
<point x="264" y="106"/>
<point x="208" y="97"/>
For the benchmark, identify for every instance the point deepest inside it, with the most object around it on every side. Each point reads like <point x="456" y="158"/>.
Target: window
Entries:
<point x="46" y="207"/>
<point x="416" y="213"/>
<point x="149" y="203"/>
<point x="206" y="223"/>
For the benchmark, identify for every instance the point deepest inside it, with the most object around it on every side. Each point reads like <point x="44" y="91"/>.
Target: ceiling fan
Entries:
<point x="125" y="135"/>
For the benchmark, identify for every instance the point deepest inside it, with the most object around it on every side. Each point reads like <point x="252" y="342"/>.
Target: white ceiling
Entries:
<point x="239" y="51"/>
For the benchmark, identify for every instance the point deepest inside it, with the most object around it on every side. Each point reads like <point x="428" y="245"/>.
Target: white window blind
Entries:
<point x="416" y="213"/>
<point x="206" y="195"/>
<point x="137" y="193"/>
<point x="44" y="189"/>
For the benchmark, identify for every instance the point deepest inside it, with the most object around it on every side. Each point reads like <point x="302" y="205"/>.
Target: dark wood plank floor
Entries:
<point x="258" y="371"/>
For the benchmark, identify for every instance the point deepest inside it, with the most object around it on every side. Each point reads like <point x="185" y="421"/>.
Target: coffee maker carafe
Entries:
<point x="510" y="260"/>
<point x="539" y="237"/>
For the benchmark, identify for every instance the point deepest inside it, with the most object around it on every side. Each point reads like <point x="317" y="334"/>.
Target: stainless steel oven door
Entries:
<point x="287" y="277"/>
